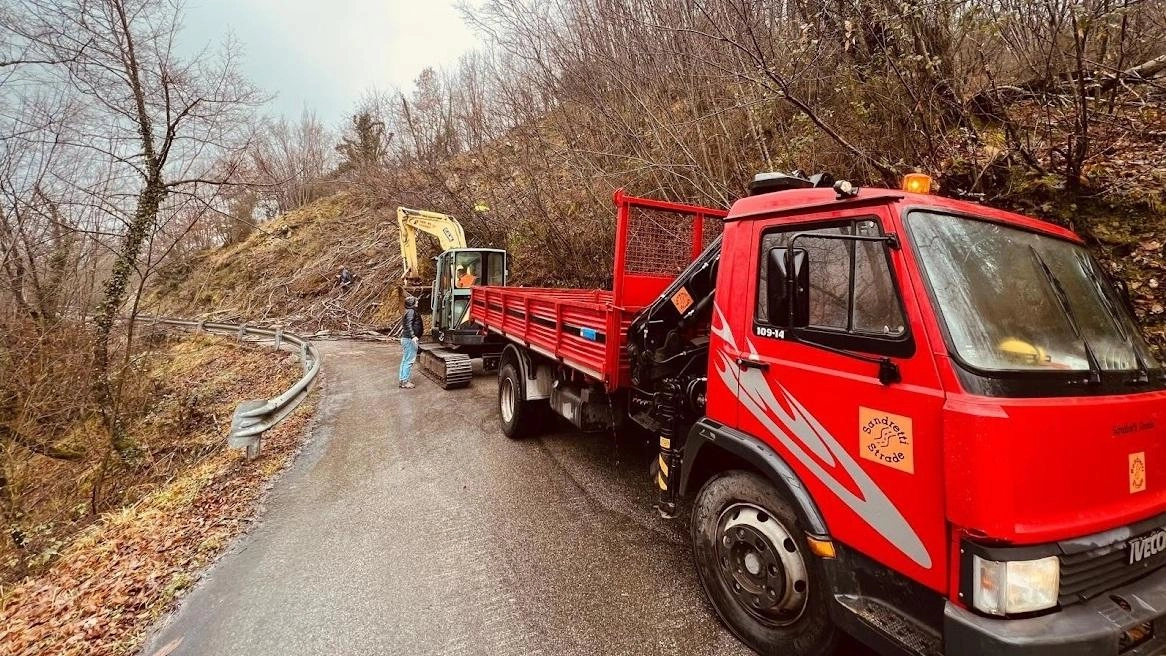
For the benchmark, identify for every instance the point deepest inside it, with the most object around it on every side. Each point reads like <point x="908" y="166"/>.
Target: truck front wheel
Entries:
<point x="754" y="563"/>
<point x="513" y="407"/>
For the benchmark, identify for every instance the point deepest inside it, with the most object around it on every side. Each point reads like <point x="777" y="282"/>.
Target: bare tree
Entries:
<point x="292" y="162"/>
<point x="159" y="123"/>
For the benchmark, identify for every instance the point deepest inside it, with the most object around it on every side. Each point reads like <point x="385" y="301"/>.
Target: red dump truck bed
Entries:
<point x="569" y="325"/>
<point x="586" y="329"/>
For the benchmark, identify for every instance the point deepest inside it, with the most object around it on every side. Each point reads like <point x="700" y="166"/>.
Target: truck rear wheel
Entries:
<point x="755" y="565"/>
<point x="516" y="412"/>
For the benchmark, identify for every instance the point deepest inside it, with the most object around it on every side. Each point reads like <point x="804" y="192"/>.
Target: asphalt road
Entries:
<point x="411" y="525"/>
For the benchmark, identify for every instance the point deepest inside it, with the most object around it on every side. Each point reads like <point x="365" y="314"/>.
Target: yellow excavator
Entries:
<point x="459" y="347"/>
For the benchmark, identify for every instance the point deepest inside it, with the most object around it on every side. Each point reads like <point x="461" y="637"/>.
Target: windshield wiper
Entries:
<point x="1067" y="308"/>
<point x="1115" y="317"/>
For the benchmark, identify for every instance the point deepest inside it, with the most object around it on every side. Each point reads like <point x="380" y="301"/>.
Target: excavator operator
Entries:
<point x="468" y="277"/>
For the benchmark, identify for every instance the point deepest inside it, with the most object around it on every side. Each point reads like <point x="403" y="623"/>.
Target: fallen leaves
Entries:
<point x="123" y="572"/>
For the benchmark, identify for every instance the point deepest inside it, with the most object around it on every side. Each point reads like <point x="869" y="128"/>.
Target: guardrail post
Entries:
<point x="278" y="337"/>
<point x="305" y="357"/>
<point x="242" y="332"/>
<point x="199" y="328"/>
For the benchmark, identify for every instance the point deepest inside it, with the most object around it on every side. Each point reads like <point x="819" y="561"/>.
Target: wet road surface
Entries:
<point x="411" y="525"/>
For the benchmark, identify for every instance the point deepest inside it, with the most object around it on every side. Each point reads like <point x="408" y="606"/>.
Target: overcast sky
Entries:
<point x="326" y="53"/>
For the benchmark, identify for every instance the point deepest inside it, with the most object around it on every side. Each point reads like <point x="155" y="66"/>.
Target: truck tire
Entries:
<point x="751" y="556"/>
<point x="516" y="412"/>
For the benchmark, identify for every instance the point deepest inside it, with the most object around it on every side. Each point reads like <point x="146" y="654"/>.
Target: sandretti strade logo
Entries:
<point x="887" y="439"/>
<point x="1137" y="472"/>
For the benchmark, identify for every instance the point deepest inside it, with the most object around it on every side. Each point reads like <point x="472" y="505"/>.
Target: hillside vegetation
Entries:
<point x="1053" y="109"/>
<point x="287" y="270"/>
<point x="86" y="584"/>
<point x="175" y="412"/>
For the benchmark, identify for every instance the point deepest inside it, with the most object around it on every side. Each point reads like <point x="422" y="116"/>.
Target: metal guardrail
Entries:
<point x="254" y="417"/>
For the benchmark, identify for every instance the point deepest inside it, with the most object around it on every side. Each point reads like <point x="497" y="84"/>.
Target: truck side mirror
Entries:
<point x="788" y="287"/>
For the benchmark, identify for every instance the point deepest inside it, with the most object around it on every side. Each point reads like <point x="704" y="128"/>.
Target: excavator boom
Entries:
<point x="445" y="228"/>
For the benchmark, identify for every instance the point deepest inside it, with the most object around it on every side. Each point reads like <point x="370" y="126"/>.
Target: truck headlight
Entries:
<point x="1018" y="586"/>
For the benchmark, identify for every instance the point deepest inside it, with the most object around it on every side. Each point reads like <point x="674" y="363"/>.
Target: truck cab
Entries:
<point x="930" y="424"/>
<point x="925" y="423"/>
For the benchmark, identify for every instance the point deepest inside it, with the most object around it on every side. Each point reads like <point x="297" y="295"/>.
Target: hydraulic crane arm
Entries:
<point x="445" y="228"/>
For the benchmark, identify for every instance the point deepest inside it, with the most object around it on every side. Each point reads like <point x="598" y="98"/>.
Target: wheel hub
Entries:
<point x="506" y="399"/>
<point x="752" y="563"/>
<point x="761" y="565"/>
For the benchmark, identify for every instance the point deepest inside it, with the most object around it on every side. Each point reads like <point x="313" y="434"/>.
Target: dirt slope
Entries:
<point x="287" y="272"/>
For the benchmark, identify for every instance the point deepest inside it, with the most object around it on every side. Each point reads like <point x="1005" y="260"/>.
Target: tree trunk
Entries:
<point x="149" y="200"/>
<point x="141" y="226"/>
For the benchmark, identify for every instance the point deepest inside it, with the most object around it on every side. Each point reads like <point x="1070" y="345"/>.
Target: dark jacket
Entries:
<point x="411" y="324"/>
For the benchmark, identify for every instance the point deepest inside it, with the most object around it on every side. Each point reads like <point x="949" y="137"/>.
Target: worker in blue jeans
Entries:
<point x="411" y="329"/>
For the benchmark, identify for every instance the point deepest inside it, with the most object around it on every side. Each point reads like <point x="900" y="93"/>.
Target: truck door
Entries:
<point x="851" y="400"/>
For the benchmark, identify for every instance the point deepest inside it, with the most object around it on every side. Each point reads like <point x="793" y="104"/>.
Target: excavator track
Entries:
<point x="447" y="368"/>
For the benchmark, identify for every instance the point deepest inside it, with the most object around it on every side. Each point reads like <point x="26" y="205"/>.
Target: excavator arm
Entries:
<point x="445" y="228"/>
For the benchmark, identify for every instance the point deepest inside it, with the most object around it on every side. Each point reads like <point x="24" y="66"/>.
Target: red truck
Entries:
<point x="923" y="422"/>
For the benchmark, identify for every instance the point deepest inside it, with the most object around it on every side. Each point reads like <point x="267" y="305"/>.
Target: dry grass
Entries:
<point x="287" y="272"/>
<point x="118" y="574"/>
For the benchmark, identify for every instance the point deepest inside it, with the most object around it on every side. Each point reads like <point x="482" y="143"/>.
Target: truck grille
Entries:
<point x="1090" y="573"/>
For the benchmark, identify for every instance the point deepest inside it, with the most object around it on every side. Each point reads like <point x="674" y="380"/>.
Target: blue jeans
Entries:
<point x="408" y="357"/>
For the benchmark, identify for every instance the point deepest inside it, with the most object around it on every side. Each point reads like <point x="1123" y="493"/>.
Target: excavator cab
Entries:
<point x="460" y="348"/>
<point x="459" y="270"/>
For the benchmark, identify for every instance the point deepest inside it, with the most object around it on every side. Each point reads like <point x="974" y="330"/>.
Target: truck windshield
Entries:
<point x="1017" y="300"/>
